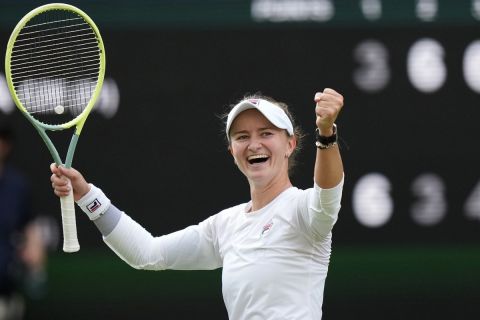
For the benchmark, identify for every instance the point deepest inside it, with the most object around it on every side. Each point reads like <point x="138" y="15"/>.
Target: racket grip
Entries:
<point x="69" y="224"/>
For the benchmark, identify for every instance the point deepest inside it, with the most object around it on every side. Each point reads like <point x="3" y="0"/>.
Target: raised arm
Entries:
<point x="328" y="170"/>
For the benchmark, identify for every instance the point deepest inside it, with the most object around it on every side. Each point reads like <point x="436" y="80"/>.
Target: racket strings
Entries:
<point x="70" y="68"/>
<point x="55" y="65"/>
<point x="36" y="32"/>
<point x="47" y="22"/>
<point x="67" y="49"/>
<point x="67" y="100"/>
<point x="51" y="58"/>
<point x="46" y="43"/>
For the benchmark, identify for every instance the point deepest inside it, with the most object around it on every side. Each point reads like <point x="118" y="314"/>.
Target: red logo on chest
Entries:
<point x="266" y="228"/>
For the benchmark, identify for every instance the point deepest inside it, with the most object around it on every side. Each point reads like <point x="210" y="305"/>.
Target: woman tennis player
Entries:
<point x="275" y="249"/>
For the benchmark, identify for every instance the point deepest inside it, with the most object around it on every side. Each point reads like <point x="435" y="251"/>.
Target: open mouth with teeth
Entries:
<point x="259" y="158"/>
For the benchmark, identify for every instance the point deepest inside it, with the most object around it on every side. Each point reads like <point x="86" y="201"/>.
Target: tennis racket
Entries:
<point x="55" y="65"/>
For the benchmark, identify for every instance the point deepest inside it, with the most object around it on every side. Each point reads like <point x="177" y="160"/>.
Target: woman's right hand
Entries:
<point x="60" y="183"/>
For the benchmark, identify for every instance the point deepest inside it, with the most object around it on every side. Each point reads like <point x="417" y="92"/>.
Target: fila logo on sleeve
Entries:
<point x="94" y="205"/>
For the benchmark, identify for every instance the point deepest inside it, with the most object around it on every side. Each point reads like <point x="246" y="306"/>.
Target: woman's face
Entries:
<point x="260" y="149"/>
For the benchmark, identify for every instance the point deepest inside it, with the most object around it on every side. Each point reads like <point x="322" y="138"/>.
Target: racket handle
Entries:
<point x="69" y="224"/>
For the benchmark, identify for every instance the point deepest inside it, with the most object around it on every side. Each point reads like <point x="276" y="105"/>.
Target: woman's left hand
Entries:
<point x="328" y="106"/>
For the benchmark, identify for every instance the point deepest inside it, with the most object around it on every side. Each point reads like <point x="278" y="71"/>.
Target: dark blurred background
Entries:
<point x="407" y="243"/>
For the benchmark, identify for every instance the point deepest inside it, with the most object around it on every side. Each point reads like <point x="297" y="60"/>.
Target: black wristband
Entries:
<point x="323" y="142"/>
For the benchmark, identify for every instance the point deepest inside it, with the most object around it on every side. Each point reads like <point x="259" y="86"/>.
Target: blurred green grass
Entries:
<point x="364" y="276"/>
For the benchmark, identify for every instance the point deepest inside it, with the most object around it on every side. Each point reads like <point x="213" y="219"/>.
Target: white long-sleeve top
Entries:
<point x="275" y="260"/>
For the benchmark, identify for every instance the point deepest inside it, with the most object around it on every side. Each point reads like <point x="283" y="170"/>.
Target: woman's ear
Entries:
<point x="292" y="144"/>
<point x="231" y="152"/>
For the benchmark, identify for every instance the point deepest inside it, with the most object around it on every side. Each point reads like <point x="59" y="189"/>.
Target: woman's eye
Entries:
<point x="267" y="133"/>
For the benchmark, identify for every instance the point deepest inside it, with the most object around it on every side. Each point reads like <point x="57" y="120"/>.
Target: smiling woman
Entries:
<point x="274" y="250"/>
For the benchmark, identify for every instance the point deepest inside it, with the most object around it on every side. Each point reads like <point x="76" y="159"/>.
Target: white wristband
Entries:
<point x="94" y="203"/>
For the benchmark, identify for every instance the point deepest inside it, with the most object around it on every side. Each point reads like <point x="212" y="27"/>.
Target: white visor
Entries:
<point x="272" y="112"/>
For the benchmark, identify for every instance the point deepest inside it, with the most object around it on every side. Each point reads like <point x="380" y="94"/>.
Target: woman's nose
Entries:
<point x="254" y="144"/>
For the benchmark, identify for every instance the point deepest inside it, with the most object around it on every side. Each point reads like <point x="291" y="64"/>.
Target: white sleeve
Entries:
<point x="322" y="209"/>
<point x="187" y="249"/>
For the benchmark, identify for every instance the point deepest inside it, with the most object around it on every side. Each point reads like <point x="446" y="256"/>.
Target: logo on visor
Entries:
<point x="253" y="101"/>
